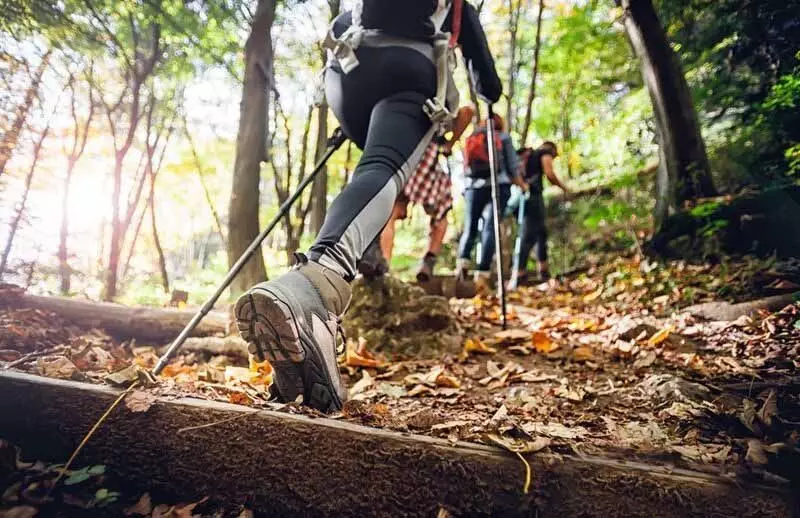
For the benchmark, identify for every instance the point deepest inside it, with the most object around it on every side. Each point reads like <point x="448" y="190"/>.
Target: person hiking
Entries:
<point x="478" y="197"/>
<point x="431" y="187"/>
<point x="385" y="82"/>
<point x="536" y="164"/>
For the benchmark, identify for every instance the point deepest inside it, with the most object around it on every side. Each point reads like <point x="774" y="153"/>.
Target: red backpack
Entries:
<point x="476" y="154"/>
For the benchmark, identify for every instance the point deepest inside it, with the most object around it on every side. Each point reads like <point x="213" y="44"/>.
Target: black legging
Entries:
<point x="534" y="230"/>
<point x="379" y="106"/>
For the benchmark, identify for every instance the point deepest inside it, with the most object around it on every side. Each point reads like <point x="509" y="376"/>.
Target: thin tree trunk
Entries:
<point x="14" y="224"/>
<point x="513" y="28"/>
<point x="10" y="137"/>
<point x="676" y="119"/>
<point x="162" y="262"/>
<point x="139" y="71"/>
<point x="79" y="139"/>
<point x="319" y="192"/>
<point x="526" y="126"/>
<point x="251" y="150"/>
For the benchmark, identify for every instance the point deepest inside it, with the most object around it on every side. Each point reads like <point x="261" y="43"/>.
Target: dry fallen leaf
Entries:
<point x="477" y="346"/>
<point x="139" y="401"/>
<point x="361" y="357"/>
<point x="186" y="510"/>
<point x="142" y="508"/>
<point x="420" y="390"/>
<point x="659" y="336"/>
<point x="22" y="511"/>
<point x="512" y="335"/>
<point x="542" y="343"/>
<point x="769" y="409"/>
<point x="240" y="398"/>
<point x="59" y="367"/>
<point x="363" y="384"/>
<point x="591" y="297"/>
<point x="756" y="453"/>
<point x="582" y="354"/>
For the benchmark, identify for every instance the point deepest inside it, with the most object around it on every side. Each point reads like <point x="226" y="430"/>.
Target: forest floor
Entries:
<point x="604" y="361"/>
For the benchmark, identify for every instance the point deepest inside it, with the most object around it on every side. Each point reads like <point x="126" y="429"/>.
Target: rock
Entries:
<point x="668" y="387"/>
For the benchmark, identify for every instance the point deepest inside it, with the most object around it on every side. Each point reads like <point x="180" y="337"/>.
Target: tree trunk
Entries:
<point x="678" y="128"/>
<point x="14" y="224"/>
<point x="63" y="264"/>
<point x="148" y="324"/>
<point x="534" y="76"/>
<point x="11" y="136"/>
<point x="162" y="263"/>
<point x="251" y="150"/>
<point x="319" y="192"/>
<point x="513" y="27"/>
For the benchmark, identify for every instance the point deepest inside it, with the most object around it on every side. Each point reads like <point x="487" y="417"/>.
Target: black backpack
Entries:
<point x="402" y="18"/>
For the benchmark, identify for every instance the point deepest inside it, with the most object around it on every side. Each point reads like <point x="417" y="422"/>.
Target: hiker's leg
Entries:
<point x="539" y="233"/>
<point x="399" y="211"/>
<point x="487" y="235"/>
<point x="294" y="320"/>
<point x="436" y="236"/>
<point x="474" y="202"/>
<point x="399" y="132"/>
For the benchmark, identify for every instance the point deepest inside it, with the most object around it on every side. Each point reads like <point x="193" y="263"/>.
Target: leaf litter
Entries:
<point x="604" y="360"/>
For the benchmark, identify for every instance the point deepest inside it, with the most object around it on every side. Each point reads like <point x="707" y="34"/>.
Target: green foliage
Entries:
<point x="741" y="62"/>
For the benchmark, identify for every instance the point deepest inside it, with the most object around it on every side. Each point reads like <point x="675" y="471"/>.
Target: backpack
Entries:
<point x="476" y="153"/>
<point x="401" y="18"/>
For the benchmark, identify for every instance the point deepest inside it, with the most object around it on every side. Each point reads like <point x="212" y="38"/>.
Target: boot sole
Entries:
<point x="269" y="324"/>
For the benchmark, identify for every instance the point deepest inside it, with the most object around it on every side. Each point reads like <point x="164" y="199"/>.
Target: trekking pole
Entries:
<point x="518" y="242"/>
<point x="498" y="242"/>
<point x="334" y="142"/>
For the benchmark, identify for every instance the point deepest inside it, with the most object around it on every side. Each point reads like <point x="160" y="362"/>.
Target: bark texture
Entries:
<point x="290" y="465"/>
<point x="243" y="225"/>
<point x="683" y="151"/>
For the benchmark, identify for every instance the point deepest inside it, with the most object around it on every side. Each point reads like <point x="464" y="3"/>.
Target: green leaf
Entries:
<point x="77" y="477"/>
<point x="97" y="470"/>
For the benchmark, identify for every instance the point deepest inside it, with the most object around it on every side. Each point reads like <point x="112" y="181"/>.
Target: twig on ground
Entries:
<point x="209" y="425"/>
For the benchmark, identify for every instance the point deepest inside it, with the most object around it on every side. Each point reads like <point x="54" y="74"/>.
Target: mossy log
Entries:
<point x="758" y="222"/>
<point x="289" y="465"/>
<point x="399" y="318"/>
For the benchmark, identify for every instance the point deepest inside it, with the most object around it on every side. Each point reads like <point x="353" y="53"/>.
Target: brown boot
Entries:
<point x="425" y="272"/>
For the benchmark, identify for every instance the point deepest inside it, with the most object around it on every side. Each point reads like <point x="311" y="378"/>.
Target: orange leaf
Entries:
<point x="477" y="346"/>
<point x="447" y="381"/>
<point x="542" y="343"/>
<point x="659" y="337"/>
<point x="239" y="398"/>
<point x="353" y="359"/>
<point x="582" y="354"/>
<point x="591" y="297"/>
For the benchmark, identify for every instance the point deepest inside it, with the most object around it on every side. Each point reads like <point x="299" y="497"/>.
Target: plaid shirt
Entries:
<point x="430" y="186"/>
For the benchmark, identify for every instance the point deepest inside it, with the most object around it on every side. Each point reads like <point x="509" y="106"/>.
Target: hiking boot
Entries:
<point x="482" y="286"/>
<point x="372" y="264"/>
<point x="425" y="272"/>
<point x="544" y="276"/>
<point x="463" y="267"/>
<point x="294" y="323"/>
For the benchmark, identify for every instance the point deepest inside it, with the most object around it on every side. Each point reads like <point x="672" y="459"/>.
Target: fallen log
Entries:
<point x="725" y="311"/>
<point x="290" y="465"/>
<point x="151" y="324"/>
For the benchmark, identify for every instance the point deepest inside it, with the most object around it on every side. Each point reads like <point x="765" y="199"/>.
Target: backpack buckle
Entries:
<point x="436" y="111"/>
